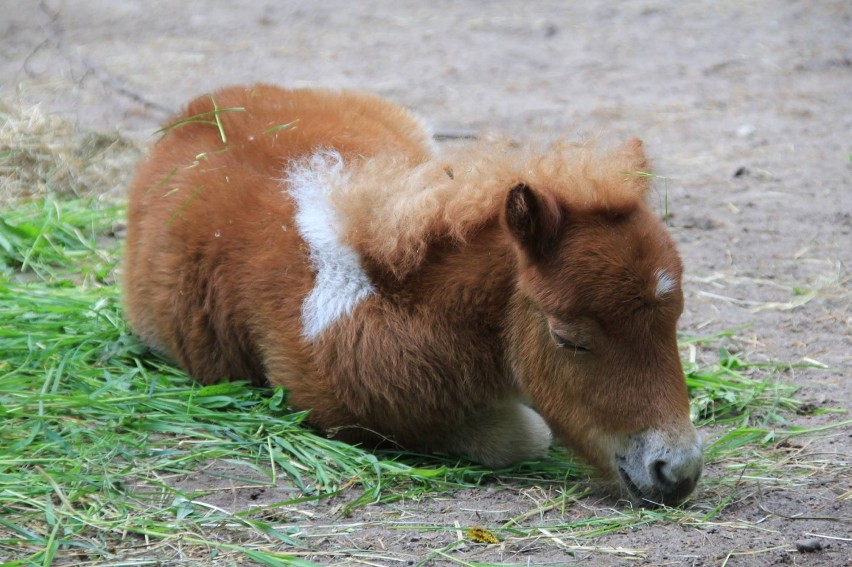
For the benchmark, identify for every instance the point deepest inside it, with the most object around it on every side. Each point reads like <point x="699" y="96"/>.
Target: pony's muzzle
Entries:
<point x="660" y="468"/>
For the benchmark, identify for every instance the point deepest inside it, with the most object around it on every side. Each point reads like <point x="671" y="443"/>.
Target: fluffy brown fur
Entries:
<point x="498" y="275"/>
<point x="394" y="208"/>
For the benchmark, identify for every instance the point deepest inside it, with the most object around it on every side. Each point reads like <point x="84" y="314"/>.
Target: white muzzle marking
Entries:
<point x="658" y="467"/>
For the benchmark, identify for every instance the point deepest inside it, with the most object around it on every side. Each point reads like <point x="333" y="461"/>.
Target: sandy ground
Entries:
<point x="745" y="109"/>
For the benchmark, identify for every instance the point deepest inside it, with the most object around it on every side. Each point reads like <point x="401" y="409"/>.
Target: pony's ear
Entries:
<point x="533" y="219"/>
<point x="631" y="155"/>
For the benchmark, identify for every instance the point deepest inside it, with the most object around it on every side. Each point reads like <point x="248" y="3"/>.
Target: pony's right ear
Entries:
<point x="533" y="219"/>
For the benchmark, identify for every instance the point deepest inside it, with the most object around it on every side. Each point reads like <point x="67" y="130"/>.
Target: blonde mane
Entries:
<point x="391" y="207"/>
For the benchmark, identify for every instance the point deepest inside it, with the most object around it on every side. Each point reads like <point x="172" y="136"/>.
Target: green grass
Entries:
<point x="97" y="433"/>
<point x="208" y="118"/>
<point x="48" y="240"/>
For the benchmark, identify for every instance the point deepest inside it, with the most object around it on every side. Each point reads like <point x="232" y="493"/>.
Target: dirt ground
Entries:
<point x="745" y="109"/>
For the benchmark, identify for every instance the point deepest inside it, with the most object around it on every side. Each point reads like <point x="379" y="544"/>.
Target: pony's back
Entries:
<point x="205" y="230"/>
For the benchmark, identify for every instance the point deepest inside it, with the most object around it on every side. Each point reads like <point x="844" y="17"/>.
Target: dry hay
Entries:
<point x="43" y="154"/>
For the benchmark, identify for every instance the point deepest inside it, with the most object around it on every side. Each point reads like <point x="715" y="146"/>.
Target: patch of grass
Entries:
<point x="61" y="244"/>
<point x="99" y="435"/>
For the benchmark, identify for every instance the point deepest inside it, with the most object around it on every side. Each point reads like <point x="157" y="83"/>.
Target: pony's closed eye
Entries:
<point x="571" y="344"/>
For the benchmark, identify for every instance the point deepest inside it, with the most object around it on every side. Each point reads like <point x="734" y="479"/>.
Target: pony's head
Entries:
<point x="593" y="329"/>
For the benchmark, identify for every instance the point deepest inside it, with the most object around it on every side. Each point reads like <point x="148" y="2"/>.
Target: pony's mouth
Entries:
<point x="655" y="497"/>
<point x="637" y="495"/>
<point x="632" y="490"/>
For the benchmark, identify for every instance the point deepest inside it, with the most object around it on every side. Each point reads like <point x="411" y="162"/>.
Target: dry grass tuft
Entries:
<point x="42" y="154"/>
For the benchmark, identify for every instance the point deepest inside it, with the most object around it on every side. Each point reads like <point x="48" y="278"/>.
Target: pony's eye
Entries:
<point x="567" y="344"/>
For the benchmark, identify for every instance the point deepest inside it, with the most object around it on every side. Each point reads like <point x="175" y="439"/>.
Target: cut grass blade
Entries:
<point x="211" y="118"/>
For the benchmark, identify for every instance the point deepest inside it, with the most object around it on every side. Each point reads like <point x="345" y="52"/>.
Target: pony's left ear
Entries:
<point x="631" y="156"/>
<point x="533" y="219"/>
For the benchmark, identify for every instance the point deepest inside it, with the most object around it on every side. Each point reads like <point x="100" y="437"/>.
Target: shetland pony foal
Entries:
<point x="311" y="239"/>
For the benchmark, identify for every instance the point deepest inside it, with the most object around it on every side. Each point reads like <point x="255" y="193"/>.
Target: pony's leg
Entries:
<point x="501" y="435"/>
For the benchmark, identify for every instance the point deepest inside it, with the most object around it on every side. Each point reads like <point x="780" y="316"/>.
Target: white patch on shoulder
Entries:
<point x="341" y="283"/>
<point x="665" y="283"/>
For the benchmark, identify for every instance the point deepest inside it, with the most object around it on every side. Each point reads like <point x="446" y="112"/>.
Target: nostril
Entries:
<point x="658" y="475"/>
<point x="672" y="488"/>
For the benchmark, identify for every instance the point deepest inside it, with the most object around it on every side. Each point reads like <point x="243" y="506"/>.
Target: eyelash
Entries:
<point x="562" y="342"/>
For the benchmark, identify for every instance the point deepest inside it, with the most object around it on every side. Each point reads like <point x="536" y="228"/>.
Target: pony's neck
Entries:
<point x="429" y="233"/>
<point x="397" y="212"/>
<point x="467" y="285"/>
